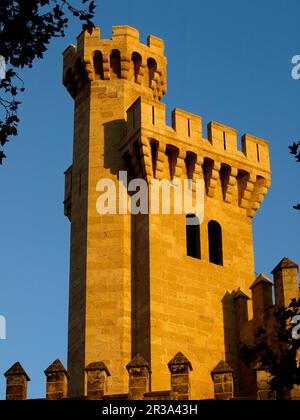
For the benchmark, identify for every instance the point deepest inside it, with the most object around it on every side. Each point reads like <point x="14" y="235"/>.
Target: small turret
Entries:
<point x="286" y="282"/>
<point x="16" y="383"/>
<point x="262" y="297"/>
<point x="123" y="57"/>
<point x="57" y="381"/>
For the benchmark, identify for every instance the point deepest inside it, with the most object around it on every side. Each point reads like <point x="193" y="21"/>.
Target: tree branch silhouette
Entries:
<point x="26" y="29"/>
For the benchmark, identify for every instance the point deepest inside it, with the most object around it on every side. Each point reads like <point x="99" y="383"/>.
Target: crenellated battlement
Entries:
<point x="123" y="57"/>
<point x="216" y="158"/>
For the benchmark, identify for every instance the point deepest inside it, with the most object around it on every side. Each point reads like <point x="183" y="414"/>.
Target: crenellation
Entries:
<point x="222" y="138"/>
<point x="187" y="128"/>
<point x="221" y="161"/>
<point x="156" y="44"/>
<point x="86" y="42"/>
<point x="122" y="57"/>
<point x="69" y="54"/>
<point x="186" y="125"/>
<point x="257" y="151"/>
<point x="125" y="34"/>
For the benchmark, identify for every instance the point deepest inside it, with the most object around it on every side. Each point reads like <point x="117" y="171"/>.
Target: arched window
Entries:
<point x="98" y="65"/>
<point x="193" y="236"/>
<point x="137" y="62"/>
<point x="152" y="67"/>
<point x="215" y="243"/>
<point x="115" y="64"/>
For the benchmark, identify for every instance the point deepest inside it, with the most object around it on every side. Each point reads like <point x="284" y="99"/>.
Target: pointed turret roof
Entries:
<point x="262" y="279"/>
<point x="16" y="370"/>
<point x="222" y="367"/>
<point x="56" y="367"/>
<point x="285" y="263"/>
<point x="138" y="362"/>
<point x="241" y="295"/>
<point x="97" y="366"/>
<point x="180" y="359"/>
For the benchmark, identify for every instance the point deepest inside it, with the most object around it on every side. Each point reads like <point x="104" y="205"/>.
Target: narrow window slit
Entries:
<point x="258" y="154"/>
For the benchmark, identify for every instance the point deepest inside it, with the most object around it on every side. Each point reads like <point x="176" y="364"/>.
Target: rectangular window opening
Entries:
<point x="224" y="139"/>
<point x="258" y="154"/>
<point x="193" y="237"/>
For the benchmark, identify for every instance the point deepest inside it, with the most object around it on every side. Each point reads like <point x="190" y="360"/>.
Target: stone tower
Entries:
<point x="148" y="284"/>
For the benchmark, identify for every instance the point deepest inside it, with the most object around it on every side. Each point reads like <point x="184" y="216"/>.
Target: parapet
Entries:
<point x="186" y="129"/>
<point x="97" y="375"/>
<point x="245" y="173"/>
<point x="121" y="57"/>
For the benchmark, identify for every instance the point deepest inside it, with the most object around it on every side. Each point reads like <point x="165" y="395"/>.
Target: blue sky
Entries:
<point x="229" y="61"/>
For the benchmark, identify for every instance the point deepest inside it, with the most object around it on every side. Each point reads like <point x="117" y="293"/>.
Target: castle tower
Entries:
<point x="150" y="284"/>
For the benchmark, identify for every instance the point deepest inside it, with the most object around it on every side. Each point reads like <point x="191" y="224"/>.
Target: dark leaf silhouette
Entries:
<point x="294" y="148"/>
<point x="278" y="353"/>
<point x="26" y="29"/>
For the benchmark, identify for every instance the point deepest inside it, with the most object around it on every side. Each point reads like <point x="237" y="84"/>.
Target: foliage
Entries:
<point x="278" y="353"/>
<point x="26" y="29"/>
